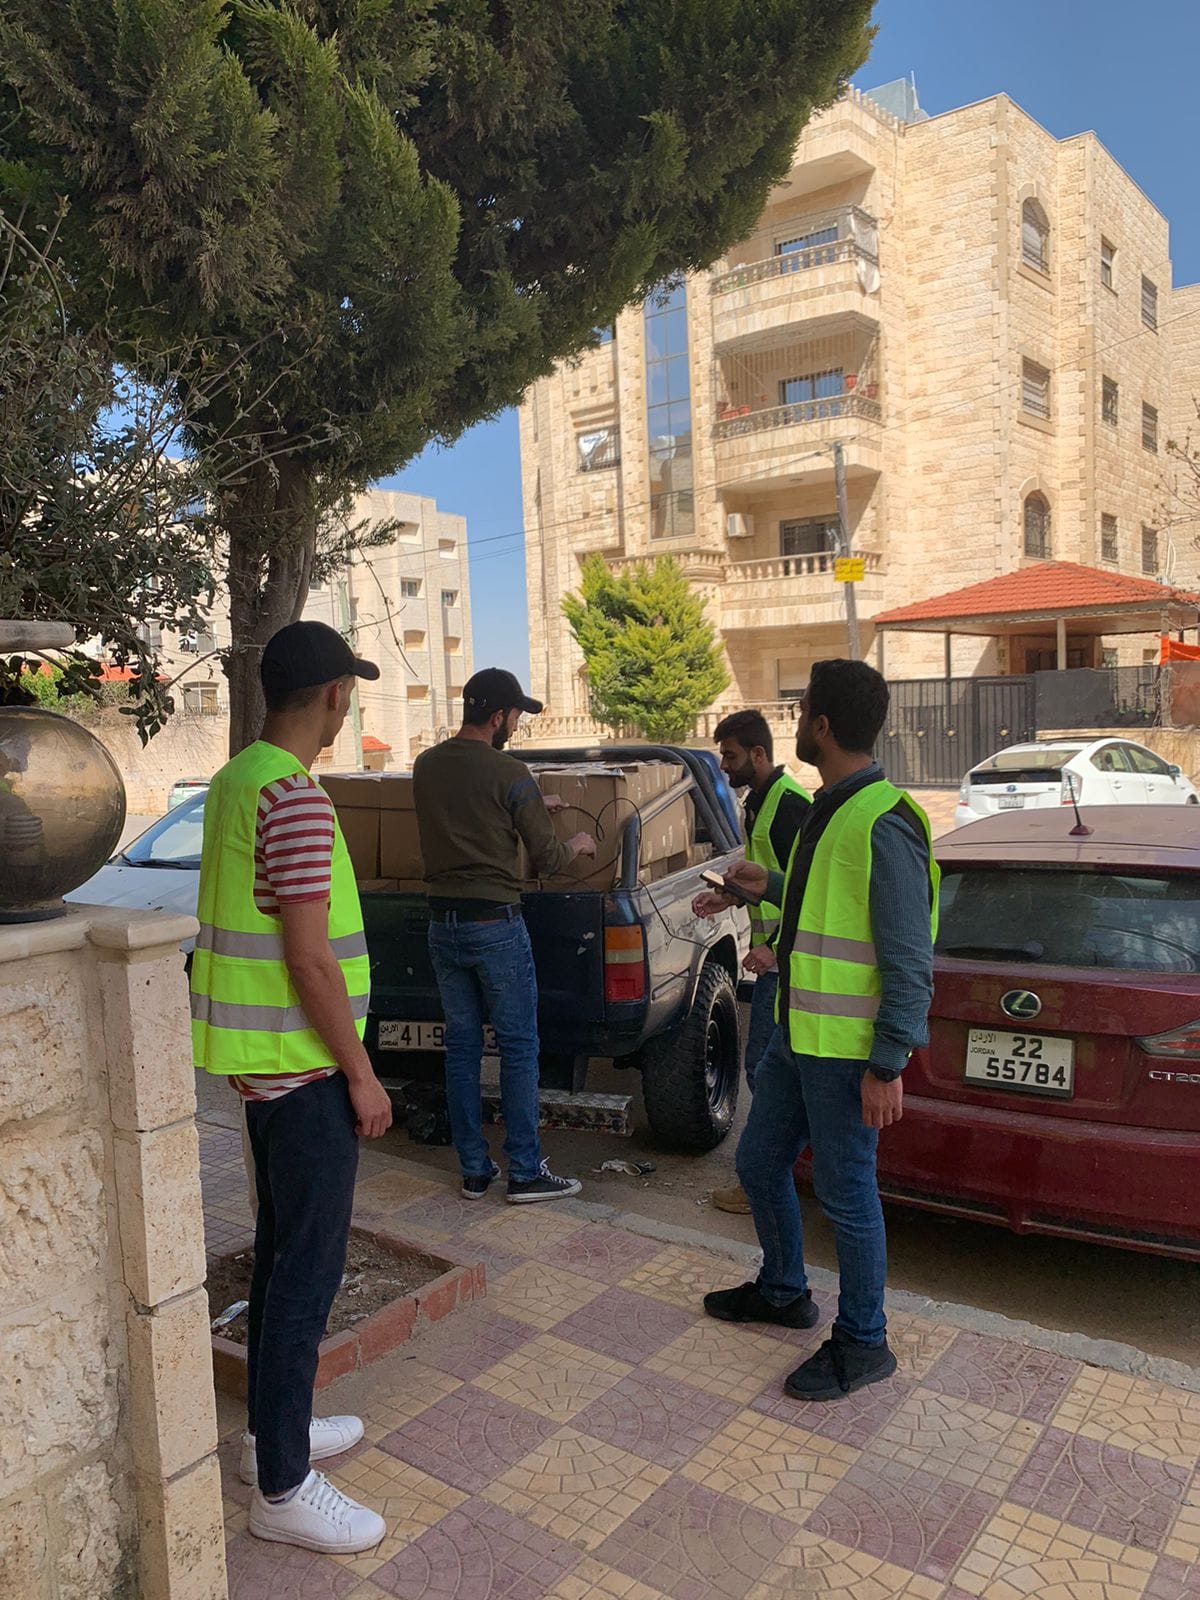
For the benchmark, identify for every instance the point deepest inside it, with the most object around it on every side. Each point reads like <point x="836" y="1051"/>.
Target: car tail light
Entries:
<point x="1181" y="1044"/>
<point x="624" y="964"/>
<point x="964" y="791"/>
<point x="1068" y="794"/>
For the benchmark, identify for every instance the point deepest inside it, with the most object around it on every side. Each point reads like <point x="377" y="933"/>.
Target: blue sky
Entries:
<point x="1127" y="72"/>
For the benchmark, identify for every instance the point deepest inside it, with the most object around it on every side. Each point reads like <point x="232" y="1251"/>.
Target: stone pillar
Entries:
<point x="108" y="1471"/>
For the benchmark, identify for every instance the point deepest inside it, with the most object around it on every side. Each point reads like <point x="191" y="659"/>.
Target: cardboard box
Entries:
<point x="600" y="800"/>
<point x="399" y="844"/>
<point x="355" y="798"/>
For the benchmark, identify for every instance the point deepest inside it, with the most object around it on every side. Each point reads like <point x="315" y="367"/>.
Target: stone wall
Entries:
<point x="109" y="1485"/>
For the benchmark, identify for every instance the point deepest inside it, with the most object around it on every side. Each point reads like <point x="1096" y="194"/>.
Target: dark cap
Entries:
<point x="493" y="689"/>
<point x="305" y="654"/>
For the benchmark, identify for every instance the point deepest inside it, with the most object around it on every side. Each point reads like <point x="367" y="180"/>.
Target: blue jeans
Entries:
<point x="484" y="972"/>
<point x="802" y="1100"/>
<point x="762" y="1022"/>
<point x="305" y="1162"/>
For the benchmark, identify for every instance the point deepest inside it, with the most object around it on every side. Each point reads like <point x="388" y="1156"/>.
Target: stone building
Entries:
<point x="981" y="315"/>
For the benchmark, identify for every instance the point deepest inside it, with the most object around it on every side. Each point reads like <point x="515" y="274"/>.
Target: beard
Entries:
<point x="806" y="748"/>
<point x="500" y="737"/>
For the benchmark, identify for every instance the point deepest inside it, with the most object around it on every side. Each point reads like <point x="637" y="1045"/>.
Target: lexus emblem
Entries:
<point x="1020" y="1005"/>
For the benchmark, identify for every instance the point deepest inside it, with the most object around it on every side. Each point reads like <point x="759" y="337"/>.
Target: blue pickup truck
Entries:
<point x="626" y="974"/>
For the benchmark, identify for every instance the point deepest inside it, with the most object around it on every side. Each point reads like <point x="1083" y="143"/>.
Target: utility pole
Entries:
<point x="355" y="709"/>
<point x="839" y="484"/>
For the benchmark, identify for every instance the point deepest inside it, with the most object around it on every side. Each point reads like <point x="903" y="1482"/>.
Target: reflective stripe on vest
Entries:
<point x="833" y="973"/>
<point x="765" y="918"/>
<point x="246" y="1014"/>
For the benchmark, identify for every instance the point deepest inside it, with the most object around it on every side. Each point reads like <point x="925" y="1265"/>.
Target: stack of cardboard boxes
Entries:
<point x="379" y="824"/>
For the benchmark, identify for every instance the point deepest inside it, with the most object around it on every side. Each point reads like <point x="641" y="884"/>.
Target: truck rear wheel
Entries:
<point x="690" y="1076"/>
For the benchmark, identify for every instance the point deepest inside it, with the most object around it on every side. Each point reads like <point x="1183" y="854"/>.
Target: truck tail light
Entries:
<point x="624" y="964"/>
<point x="1181" y="1044"/>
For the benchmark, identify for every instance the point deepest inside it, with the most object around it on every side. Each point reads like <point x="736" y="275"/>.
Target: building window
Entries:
<point x="808" y="536"/>
<point x="1149" y="427"/>
<point x="1109" y="547"/>
<point x="1150" y="551"/>
<point x="449" y="597"/>
<point x="1109" y="657"/>
<point x="827" y="385"/>
<point x="1149" y="303"/>
<point x="600" y="448"/>
<point x="1037" y="527"/>
<point x="1035" y="237"/>
<point x="1035" y="389"/>
<point x="202" y="642"/>
<point x="410" y="588"/>
<point x="815" y="249"/>
<point x="1108" y="264"/>
<point x="1109" y="401"/>
<point x="200" y="699"/>
<point x="669" y="414"/>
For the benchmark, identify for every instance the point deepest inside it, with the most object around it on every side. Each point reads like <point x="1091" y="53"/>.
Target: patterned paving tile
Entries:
<point x="733" y="1363"/>
<point x="592" y="1581"/>
<point x="913" y="1519"/>
<point x="918" y="1343"/>
<point x="407" y="1499"/>
<point x="443" y="1213"/>
<point x="1021" y="1554"/>
<point x="955" y="1440"/>
<point x="419" y="1388"/>
<point x="468" y="1438"/>
<point x="478" y="1552"/>
<point x="1003" y="1376"/>
<point x="1115" y="1492"/>
<point x="579" y="1489"/>
<point x="1133" y="1414"/>
<point x="1173" y="1580"/>
<point x="552" y="1377"/>
<point x="810" y="1568"/>
<point x="694" y="1544"/>
<point x="657" y="1418"/>
<point x="388" y="1191"/>
<point x="524" y="1230"/>
<point x="542" y="1295"/>
<point x="856" y="1420"/>
<point x="259" y="1570"/>
<point x="1183" y="1541"/>
<point x="625" y="1326"/>
<point x="681" y="1277"/>
<point x="472" y="1344"/>
<point x="771" y="1466"/>
<point x="609" y="1254"/>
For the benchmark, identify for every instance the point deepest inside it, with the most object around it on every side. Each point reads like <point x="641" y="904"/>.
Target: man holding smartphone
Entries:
<point x="855" y="951"/>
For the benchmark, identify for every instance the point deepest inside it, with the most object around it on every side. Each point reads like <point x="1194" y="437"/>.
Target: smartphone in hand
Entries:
<point x="714" y="880"/>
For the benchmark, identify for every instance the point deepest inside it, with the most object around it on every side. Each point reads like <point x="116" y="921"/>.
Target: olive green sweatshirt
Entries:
<point x="474" y="806"/>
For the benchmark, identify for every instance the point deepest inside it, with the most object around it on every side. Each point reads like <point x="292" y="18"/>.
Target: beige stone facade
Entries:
<point x="109" y="1484"/>
<point x="946" y="297"/>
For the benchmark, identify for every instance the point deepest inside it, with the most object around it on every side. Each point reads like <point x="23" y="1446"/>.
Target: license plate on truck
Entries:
<point x="1027" y="1061"/>
<point x="397" y="1035"/>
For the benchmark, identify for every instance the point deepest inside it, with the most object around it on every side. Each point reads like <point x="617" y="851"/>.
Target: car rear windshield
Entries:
<point x="1128" y="922"/>
<point x="1026" y="766"/>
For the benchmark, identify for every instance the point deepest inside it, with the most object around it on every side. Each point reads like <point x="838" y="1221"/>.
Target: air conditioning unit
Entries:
<point x="738" y="526"/>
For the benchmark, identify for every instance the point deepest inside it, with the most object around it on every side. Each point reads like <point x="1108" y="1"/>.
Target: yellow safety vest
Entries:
<point x="765" y="918"/>
<point x="833" y="974"/>
<point x="246" y="1014"/>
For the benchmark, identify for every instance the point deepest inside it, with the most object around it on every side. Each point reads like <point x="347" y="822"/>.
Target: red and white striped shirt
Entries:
<point x="293" y="856"/>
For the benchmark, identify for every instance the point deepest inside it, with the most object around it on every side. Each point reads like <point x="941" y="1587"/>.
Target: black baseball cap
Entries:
<point x="305" y="654"/>
<point x="493" y="689"/>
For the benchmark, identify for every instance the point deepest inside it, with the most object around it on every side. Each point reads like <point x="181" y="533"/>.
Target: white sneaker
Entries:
<point x="327" y="1436"/>
<point x="317" y="1517"/>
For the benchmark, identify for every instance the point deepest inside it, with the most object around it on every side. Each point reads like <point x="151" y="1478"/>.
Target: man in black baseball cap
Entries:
<point x="494" y="690"/>
<point x="306" y="655"/>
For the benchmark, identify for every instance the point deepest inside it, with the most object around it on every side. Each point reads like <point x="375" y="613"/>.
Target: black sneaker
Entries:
<point x="746" y="1304"/>
<point x="839" y="1367"/>
<point x="475" y="1188"/>
<point x="544" y="1187"/>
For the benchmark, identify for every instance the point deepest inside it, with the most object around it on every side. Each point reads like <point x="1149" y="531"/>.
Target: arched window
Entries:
<point x="1035" y="237"/>
<point x="1037" y="527"/>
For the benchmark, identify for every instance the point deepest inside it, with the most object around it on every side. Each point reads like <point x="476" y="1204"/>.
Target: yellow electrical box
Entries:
<point x="849" y="569"/>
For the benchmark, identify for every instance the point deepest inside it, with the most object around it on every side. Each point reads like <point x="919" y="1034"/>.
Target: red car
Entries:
<point x="1060" y="1092"/>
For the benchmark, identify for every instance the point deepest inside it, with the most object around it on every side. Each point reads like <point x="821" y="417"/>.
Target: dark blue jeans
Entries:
<point x="802" y="1100"/>
<point x="305" y="1162"/>
<point x="762" y="1022"/>
<point x="484" y="973"/>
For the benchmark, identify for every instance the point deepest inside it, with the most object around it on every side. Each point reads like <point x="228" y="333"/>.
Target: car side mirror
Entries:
<point x="1176" y="772"/>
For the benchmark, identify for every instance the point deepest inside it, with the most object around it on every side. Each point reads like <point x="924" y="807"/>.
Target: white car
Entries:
<point x="159" y="871"/>
<point x="1096" y="772"/>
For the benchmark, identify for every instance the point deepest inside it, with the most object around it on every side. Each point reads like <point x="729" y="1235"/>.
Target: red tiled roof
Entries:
<point x="1050" y="586"/>
<point x="370" y="742"/>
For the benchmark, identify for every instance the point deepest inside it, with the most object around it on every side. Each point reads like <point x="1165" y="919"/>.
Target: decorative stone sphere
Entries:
<point x="62" y="809"/>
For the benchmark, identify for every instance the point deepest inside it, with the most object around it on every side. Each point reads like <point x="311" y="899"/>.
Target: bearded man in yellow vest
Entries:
<point x="280" y="985"/>
<point x="773" y="812"/>
<point x="855" y="954"/>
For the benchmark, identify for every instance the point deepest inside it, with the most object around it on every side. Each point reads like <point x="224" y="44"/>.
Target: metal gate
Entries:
<point x="938" y="728"/>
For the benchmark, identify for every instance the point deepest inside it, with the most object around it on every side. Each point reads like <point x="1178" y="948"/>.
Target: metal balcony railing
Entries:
<point x="856" y="241"/>
<point x="835" y="408"/>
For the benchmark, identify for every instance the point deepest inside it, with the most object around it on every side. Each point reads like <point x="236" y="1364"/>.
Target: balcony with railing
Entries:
<point x="794" y="591"/>
<point x="827" y="270"/>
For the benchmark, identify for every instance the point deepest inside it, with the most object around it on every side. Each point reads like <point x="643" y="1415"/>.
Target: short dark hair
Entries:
<point x="478" y="716"/>
<point x="853" y="698"/>
<point x="748" y="728"/>
<point x="281" y="701"/>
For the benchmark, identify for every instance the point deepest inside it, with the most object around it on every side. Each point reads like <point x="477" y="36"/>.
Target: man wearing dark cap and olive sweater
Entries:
<point x="476" y="805"/>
